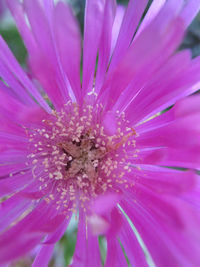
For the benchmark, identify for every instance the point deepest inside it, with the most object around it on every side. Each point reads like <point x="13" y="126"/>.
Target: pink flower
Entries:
<point x="101" y="148"/>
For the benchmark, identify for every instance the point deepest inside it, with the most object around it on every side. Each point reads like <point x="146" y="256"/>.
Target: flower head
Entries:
<point x="100" y="147"/>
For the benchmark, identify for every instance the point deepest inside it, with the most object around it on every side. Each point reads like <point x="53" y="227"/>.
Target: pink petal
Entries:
<point x="43" y="257"/>
<point x="131" y="246"/>
<point x="115" y="256"/>
<point x="171" y="244"/>
<point x="57" y="235"/>
<point x="105" y="43"/>
<point x="190" y="10"/>
<point x="105" y="203"/>
<point x="151" y="14"/>
<point x="68" y="39"/>
<point x="11" y="209"/>
<point x="94" y="15"/>
<point x="28" y="232"/>
<point x="144" y="55"/>
<point x="129" y="25"/>
<point x="187" y="106"/>
<point x="117" y="25"/>
<point x="169" y="92"/>
<point x="15" y="70"/>
<point x="87" y="249"/>
<point x="16" y="182"/>
<point x="164" y="180"/>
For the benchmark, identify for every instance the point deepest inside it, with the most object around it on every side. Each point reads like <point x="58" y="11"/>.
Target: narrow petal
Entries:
<point x="115" y="256"/>
<point x="171" y="239"/>
<point x="68" y="39"/>
<point x="131" y="246"/>
<point x="166" y="93"/>
<point x="87" y="253"/>
<point x="15" y="70"/>
<point x="120" y="11"/>
<point x="28" y="232"/>
<point x="44" y="57"/>
<point x="45" y="62"/>
<point x="143" y="57"/>
<point x="44" y="255"/>
<point x="94" y="15"/>
<point x="129" y="25"/>
<point x="14" y="182"/>
<point x="151" y="14"/>
<point x="190" y="10"/>
<point x="105" y="43"/>
<point x="11" y="209"/>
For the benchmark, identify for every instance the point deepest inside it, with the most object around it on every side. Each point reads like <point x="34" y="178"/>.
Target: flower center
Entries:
<point x="84" y="157"/>
<point x="73" y="152"/>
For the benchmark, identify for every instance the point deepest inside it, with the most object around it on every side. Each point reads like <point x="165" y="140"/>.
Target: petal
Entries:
<point x="40" y="42"/>
<point x="87" y="252"/>
<point x="57" y="235"/>
<point x="154" y="9"/>
<point x="115" y="256"/>
<point x="120" y="11"/>
<point x="94" y="15"/>
<point x="143" y="57"/>
<point x="168" y="243"/>
<point x="15" y="74"/>
<point x="28" y="232"/>
<point x="131" y="246"/>
<point x="43" y="257"/>
<point x="190" y="10"/>
<point x="129" y="25"/>
<point x="105" y="43"/>
<point x="160" y="94"/>
<point x="11" y="209"/>
<point x="15" y="182"/>
<point x="68" y="39"/>
<point x="164" y="180"/>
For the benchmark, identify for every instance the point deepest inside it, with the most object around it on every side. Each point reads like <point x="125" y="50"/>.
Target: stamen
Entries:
<point x="72" y="153"/>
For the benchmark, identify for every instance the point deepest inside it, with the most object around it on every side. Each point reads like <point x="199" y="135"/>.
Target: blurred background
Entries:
<point x="64" y="250"/>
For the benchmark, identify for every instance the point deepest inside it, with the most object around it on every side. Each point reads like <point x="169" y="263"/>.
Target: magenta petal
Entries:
<point x="190" y="10"/>
<point x="12" y="65"/>
<point x="131" y="245"/>
<point x="28" y="232"/>
<point x="110" y="123"/>
<point x="129" y="25"/>
<point x="11" y="209"/>
<point x="105" y="203"/>
<point x="94" y="13"/>
<point x="151" y="14"/>
<point x="167" y="245"/>
<point x="80" y="254"/>
<point x="56" y="236"/>
<point x="166" y="181"/>
<point x="87" y="248"/>
<point x="105" y="43"/>
<point x="174" y="88"/>
<point x="43" y="257"/>
<point x="43" y="58"/>
<point x="143" y="57"/>
<point x="117" y="25"/>
<point x="188" y="106"/>
<point x="115" y="256"/>
<point x="13" y="184"/>
<point x="68" y="38"/>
